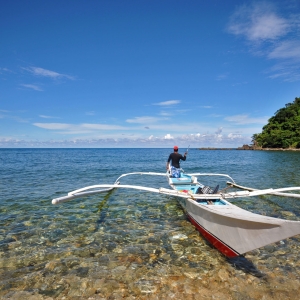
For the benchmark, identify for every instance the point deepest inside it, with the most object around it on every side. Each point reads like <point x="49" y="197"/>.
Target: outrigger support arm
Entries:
<point x="73" y="195"/>
<point x="94" y="189"/>
<point x="276" y="192"/>
<point x="211" y="174"/>
<point x="142" y="173"/>
<point x="104" y="188"/>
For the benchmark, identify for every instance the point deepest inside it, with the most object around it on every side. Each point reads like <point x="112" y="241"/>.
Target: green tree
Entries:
<point x="282" y="130"/>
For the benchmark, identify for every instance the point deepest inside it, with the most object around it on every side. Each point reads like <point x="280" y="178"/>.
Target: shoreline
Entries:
<point x="247" y="149"/>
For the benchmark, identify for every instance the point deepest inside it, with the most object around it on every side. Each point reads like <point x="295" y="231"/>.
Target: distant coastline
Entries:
<point x="247" y="147"/>
<point x="210" y="148"/>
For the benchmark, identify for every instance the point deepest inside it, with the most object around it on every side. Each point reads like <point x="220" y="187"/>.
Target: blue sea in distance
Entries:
<point x="129" y="244"/>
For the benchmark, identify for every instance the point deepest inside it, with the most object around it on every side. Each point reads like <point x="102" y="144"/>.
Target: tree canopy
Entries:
<point x="282" y="130"/>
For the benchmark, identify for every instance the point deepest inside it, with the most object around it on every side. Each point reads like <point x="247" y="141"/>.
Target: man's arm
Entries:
<point x="168" y="162"/>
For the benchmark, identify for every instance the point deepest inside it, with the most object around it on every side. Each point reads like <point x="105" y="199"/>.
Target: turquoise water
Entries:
<point x="132" y="244"/>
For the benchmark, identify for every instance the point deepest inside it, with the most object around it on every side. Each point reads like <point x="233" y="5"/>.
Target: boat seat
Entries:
<point x="207" y="190"/>
<point x="215" y="190"/>
<point x="182" y="180"/>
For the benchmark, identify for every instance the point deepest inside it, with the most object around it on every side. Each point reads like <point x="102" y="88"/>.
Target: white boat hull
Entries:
<point x="230" y="229"/>
<point x="243" y="231"/>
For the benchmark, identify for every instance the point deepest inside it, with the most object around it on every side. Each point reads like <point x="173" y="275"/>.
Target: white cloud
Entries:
<point x="258" y="22"/>
<point x="103" y="127"/>
<point x="90" y="113"/>
<point x="245" y="119"/>
<point x="165" y="114"/>
<point x="47" y="73"/>
<point x="219" y="130"/>
<point x="194" y="140"/>
<point x="168" y="137"/>
<point x="286" y="71"/>
<point x="182" y="111"/>
<point x="47" y="117"/>
<point x="271" y="35"/>
<point x="215" y="115"/>
<point x="78" y="128"/>
<point x="286" y="49"/>
<point x="222" y="76"/>
<point x="202" y="133"/>
<point x="5" y="70"/>
<point x="143" y="120"/>
<point x="168" y="103"/>
<point x="32" y="86"/>
<point x="53" y="126"/>
<point x="233" y="136"/>
<point x="5" y="114"/>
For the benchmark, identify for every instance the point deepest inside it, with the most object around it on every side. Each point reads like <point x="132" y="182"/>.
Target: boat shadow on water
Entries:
<point x="245" y="265"/>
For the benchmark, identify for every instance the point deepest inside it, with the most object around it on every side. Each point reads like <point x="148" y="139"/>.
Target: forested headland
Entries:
<point x="282" y="130"/>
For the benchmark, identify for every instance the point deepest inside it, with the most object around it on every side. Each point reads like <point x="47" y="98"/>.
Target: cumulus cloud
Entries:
<point x="194" y="140"/>
<point x="168" y="137"/>
<point x="233" y="136"/>
<point x="219" y="130"/>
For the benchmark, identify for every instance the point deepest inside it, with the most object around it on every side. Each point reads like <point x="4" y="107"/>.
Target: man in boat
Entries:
<point x="175" y="157"/>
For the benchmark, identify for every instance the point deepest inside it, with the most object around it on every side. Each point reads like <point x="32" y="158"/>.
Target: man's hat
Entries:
<point x="175" y="148"/>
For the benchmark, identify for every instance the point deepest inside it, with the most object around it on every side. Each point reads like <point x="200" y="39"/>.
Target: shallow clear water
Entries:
<point x="131" y="244"/>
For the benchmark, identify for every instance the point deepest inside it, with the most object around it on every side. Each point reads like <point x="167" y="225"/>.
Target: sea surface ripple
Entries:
<point x="128" y="244"/>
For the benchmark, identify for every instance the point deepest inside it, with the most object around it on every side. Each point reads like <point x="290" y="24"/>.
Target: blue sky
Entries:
<point x="141" y="73"/>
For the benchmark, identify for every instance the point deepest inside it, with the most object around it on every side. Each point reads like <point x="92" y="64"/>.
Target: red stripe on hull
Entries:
<point x="223" y="248"/>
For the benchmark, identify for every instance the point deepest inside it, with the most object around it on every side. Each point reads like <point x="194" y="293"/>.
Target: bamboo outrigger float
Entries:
<point x="230" y="229"/>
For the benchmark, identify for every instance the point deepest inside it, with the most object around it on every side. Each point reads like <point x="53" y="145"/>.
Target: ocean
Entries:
<point x="128" y="244"/>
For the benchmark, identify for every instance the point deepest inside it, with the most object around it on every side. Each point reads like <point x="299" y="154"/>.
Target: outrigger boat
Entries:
<point x="230" y="229"/>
